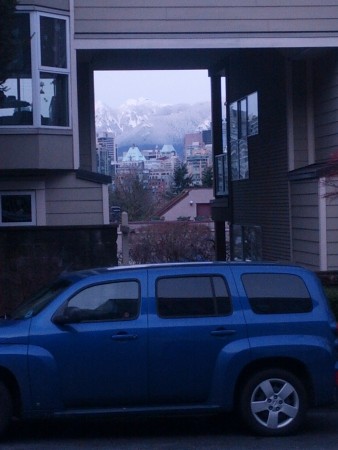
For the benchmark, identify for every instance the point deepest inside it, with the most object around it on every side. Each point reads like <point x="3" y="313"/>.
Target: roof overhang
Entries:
<point x="212" y="59"/>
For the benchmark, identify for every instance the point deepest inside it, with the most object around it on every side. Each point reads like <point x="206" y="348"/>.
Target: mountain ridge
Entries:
<point x="148" y="124"/>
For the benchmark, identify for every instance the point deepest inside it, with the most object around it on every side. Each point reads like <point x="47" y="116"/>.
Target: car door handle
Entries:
<point x="124" y="337"/>
<point x="222" y="332"/>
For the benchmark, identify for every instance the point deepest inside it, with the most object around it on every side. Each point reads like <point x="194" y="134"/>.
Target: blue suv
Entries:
<point x="192" y="337"/>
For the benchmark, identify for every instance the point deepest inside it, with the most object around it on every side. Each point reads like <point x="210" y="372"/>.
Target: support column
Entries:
<point x="218" y="210"/>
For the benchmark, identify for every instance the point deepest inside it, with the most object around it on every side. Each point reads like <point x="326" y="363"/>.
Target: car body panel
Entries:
<point x="91" y="364"/>
<point x="149" y="362"/>
<point x="189" y="348"/>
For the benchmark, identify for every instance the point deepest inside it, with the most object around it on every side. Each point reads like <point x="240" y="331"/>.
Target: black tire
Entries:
<point x="6" y="408"/>
<point x="273" y="403"/>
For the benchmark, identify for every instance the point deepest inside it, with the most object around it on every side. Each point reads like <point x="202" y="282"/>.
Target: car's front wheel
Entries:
<point x="273" y="402"/>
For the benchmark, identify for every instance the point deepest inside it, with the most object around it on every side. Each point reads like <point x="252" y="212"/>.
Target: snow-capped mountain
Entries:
<point x="146" y="124"/>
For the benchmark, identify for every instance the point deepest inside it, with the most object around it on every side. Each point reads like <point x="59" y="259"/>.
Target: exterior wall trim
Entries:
<point x="105" y="200"/>
<point x="322" y="224"/>
<point x="73" y="84"/>
<point x="101" y="41"/>
<point x="310" y="114"/>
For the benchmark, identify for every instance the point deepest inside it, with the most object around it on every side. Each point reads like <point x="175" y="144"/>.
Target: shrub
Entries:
<point x="332" y="295"/>
<point x="329" y="281"/>
<point x="172" y="242"/>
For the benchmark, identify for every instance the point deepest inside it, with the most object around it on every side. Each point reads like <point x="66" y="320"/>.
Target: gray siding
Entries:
<point x="200" y="16"/>
<point x="332" y="229"/>
<point x="305" y="223"/>
<point x="48" y="150"/>
<point x="71" y="201"/>
<point x="326" y="105"/>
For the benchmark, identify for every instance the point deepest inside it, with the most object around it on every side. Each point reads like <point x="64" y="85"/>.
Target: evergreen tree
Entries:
<point x="207" y="177"/>
<point x="181" y="179"/>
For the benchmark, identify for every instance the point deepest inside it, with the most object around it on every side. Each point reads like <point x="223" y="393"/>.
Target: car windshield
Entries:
<point x="42" y="298"/>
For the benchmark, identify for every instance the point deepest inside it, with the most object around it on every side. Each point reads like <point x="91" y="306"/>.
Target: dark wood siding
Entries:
<point x="200" y="16"/>
<point x="263" y="199"/>
<point x="299" y="113"/>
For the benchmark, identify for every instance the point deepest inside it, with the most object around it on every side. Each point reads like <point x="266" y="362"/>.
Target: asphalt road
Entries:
<point x="208" y="433"/>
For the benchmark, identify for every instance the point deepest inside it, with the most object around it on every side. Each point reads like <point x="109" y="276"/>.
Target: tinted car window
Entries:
<point x="270" y="293"/>
<point x="192" y="296"/>
<point x="42" y="298"/>
<point x="108" y="301"/>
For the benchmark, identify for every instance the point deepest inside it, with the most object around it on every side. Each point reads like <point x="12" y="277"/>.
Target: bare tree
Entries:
<point x="132" y="196"/>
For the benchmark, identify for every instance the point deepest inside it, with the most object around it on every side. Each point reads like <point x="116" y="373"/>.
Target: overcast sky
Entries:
<point x="162" y="86"/>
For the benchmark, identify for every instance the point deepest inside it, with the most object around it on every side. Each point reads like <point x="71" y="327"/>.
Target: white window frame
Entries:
<point x="52" y="69"/>
<point x="37" y="68"/>
<point x="32" y="195"/>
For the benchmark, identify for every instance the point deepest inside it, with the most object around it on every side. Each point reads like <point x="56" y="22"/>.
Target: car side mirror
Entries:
<point x="68" y="315"/>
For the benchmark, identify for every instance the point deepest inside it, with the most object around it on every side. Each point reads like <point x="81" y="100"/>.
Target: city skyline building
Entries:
<point x="106" y="152"/>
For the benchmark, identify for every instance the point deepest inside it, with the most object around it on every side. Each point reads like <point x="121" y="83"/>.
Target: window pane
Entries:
<point x="43" y="297"/>
<point x="21" y="61"/>
<point x="16" y="99"/>
<point x="192" y="297"/>
<point x="107" y="301"/>
<point x="247" y="242"/>
<point x="237" y="234"/>
<point x="220" y="287"/>
<point x="221" y="174"/>
<point x="16" y="208"/>
<point x="184" y="287"/>
<point x="243" y="119"/>
<point x="54" y="99"/>
<point x="270" y="293"/>
<point x="226" y="175"/>
<point x="274" y="285"/>
<point x="16" y="102"/>
<point x="252" y="114"/>
<point x="233" y="121"/>
<point x="243" y="159"/>
<point x="53" y="42"/>
<point x="252" y="243"/>
<point x="234" y="160"/>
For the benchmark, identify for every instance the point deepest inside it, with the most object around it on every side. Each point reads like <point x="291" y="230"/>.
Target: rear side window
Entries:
<point x="192" y="296"/>
<point x="271" y="293"/>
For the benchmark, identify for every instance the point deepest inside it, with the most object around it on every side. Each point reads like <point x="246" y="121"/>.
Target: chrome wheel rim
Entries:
<point x="274" y="403"/>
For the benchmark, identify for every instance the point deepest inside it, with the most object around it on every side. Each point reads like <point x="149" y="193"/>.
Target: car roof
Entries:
<point x="81" y="274"/>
